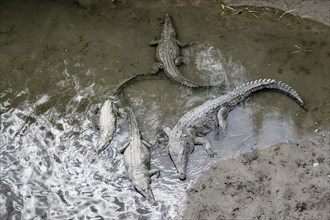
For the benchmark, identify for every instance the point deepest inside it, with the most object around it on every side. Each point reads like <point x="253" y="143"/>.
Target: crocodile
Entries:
<point x="168" y="54"/>
<point x="107" y="124"/>
<point x="137" y="160"/>
<point x="104" y="116"/>
<point x="199" y="121"/>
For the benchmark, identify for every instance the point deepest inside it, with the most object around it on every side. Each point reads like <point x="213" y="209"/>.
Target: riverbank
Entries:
<point x="284" y="181"/>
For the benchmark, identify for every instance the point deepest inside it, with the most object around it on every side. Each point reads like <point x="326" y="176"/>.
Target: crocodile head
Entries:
<point x="143" y="187"/>
<point x="168" y="29"/>
<point x="179" y="151"/>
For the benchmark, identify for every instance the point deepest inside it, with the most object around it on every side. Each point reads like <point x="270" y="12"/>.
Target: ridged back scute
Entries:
<point x="246" y="89"/>
<point x="233" y="98"/>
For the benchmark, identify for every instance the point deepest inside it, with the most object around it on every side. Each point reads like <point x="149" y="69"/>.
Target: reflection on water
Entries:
<point x="53" y="71"/>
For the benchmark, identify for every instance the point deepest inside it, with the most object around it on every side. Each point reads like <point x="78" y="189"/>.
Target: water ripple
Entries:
<point x="46" y="171"/>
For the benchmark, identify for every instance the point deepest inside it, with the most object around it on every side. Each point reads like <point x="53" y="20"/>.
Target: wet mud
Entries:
<point x="59" y="58"/>
<point x="284" y="181"/>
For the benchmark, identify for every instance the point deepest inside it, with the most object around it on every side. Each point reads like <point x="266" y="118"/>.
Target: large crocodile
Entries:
<point x="168" y="54"/>
<point x="200" y="120"/>
<point x="137" y="160"/>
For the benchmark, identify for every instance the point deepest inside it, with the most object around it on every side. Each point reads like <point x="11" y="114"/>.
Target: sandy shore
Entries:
<point x="285" y="181"/>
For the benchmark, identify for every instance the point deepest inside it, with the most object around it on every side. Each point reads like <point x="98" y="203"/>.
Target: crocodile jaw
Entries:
<point x="179" y="150"/>
<point x="143" y="187"/>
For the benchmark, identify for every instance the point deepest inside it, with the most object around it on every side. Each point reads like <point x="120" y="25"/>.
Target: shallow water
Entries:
<point x="58" y="59"/>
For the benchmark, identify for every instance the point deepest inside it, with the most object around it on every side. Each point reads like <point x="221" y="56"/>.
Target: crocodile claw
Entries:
<point x="213" y="155"/>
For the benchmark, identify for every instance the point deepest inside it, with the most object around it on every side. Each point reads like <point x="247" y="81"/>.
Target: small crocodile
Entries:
<point x="107" y="125"/>
<point x="168" y="54"/>
<point x="104" y="116"/>
<point x="137" y="160"/>
<point x="202" y="119"/>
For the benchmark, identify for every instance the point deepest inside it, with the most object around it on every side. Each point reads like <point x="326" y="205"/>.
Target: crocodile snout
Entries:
<point x="182" y="176"/>
<point x="154" y="203"/>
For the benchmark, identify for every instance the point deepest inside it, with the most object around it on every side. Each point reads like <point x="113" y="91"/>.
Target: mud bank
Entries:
<point x="284" y="181"/>
<point x="314" y="9"/>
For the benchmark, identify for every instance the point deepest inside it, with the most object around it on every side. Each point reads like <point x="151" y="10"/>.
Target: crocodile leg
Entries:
<point x="156" y="67"/>
<point x="122" y="175"/>
<point x="180" y="59"/>
<point x="146" y="143"/>
<point x="167" y="130"/>
<point x="123" y="148"/>
<point x="222" y="115"/>
<point x="120" y="112"/>
<point x="154" y="172"/>
<point x="162" y="138"/>
<point x="183" y="44"/>
<point x="96" y="110"/>
<point x="207" y="145"/>
<point x="154" y="42"/>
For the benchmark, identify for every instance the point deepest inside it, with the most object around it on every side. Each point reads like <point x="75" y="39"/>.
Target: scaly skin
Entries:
<point x="107" y="124"/>
<point x="137" y="161"/>
<point x="168" y="54"/>
<point x="104" y="117"/>
<point x="202" y="119"/>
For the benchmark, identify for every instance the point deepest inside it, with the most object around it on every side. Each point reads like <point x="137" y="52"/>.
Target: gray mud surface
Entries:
<point x="318" y="10"/>
<point x="284" y="181"/>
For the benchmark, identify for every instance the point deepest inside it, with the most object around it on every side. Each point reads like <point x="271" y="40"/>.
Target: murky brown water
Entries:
<point x="58" y="58"/>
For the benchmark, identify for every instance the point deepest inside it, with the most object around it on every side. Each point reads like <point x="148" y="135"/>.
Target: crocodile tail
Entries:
<point x="130" y="116"/>
<point x="184" y="81"/>
<point x="246" y="89"/>
<point x="173" y="73"/>
<point x="133" y="125"/>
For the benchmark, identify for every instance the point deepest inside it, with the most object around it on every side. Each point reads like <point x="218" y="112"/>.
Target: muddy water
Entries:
<point x="57" y="59"/>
